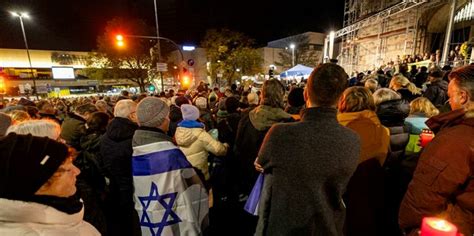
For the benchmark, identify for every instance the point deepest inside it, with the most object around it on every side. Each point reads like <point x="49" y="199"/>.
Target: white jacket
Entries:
<point x="34" y="219"/>
<point x="195" y="144"/>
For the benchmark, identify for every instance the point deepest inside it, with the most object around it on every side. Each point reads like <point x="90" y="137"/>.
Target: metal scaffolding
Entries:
<point x="362" y="14"/>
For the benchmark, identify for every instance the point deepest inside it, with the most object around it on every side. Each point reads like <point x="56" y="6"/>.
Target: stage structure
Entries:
<point x="381" y="32"/>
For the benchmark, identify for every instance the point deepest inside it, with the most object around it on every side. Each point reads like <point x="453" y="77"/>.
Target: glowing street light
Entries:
<point x="20" y="16"/>
<point x="119" y="40"/>
<point x="292" y="46"/>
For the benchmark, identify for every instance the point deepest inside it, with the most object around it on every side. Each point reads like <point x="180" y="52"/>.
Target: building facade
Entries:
<point x="376" y="33"/>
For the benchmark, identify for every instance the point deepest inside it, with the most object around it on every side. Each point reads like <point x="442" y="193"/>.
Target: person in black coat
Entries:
<point x="116" y="152"/>
<point x="392" y="111"/>
<point x="421" y="77"/>
<point x="437" y="91"/>
<point x="175" y="114"/>
<point x="91" y="181"/>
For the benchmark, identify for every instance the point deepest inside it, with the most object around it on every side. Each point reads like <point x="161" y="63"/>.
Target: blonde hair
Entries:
<point x="40" y="128"/>
<point x="399" y="81"/>
<point x="19" y="116"/>
<point x="423" y="105"/>
<point x="356" y="99"/>
<point x="385" y="94"/>
<point x="371" y="84"/>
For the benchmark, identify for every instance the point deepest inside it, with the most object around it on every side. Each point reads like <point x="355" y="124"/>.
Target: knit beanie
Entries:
<point x="189" y="112"/>
<point x="151" y="112"/>
<point x="26" y="163"/>
<point x="201" y="102"/>
<point x="5" y="122"/>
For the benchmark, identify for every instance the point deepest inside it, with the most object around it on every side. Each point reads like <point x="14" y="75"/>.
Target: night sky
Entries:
<point x="75" y="24"/>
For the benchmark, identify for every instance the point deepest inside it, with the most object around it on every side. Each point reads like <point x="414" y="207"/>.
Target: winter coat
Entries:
<point x="375" y="138"/>
<point x="309" y="172"/>
<point x="392" y="115"/>
<point x="195" y="143"/>
<point x="442" y="184"/>
<point x="30" y="218"/>
<point x="253" y="127"/>
<point x="116" y="151"/>
<point x="91" y="181"/>
<point x="72" y="129"/>
<point x="437" y="92"/>
<point x="416" y="124"/>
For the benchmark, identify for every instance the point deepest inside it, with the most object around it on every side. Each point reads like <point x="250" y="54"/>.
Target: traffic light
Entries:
<point x="151" y="88"/>
<point x="270" y="73"/>
<point x="119" y="40"/>
<point x="185" y="81"/>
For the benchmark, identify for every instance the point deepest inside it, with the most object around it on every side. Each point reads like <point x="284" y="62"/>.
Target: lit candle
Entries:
<point x="437" y="227"/>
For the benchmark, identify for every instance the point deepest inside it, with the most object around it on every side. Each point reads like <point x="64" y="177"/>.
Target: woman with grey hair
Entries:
<point x="39" y="128"/>
<point x="253" y="127"/>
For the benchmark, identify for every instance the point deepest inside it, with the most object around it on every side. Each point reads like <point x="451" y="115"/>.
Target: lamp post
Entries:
<point x="292" y="46"/>
<point x="21" y="16"/>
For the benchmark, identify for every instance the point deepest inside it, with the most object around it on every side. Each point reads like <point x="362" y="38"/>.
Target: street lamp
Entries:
<point x="22" y="15"/>
<point x="292" y="46"/>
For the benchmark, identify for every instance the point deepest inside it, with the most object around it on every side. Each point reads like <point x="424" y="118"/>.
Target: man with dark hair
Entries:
<point x="443" y="183"/>
<point x="308" y="164"/>
<point x="73" y="127"/>
<point x="47" y="111"/>
<point x="437" y="91"/>
<point x="421" y="77"/>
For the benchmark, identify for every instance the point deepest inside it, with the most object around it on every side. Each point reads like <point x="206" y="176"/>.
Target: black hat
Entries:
<point x="26" y="163"/>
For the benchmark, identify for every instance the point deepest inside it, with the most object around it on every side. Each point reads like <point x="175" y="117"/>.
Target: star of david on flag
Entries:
<point x="169" y="196"/>
<point x="155" y="196"/>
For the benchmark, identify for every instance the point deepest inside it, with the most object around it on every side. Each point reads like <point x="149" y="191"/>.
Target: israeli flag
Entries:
<point x="169" y="196"/>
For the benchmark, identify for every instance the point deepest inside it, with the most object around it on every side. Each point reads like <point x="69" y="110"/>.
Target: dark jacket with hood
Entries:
<point x="91" y="182"/>
<point x="443" y="183"/>
<point x="392" y="115"/>
<point x="116" y="151"/>
<point x="437" y="92"/>
<point x="253" y="127"/>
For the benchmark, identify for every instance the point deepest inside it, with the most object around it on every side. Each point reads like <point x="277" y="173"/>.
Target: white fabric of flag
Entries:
<point x="169" y="196"/>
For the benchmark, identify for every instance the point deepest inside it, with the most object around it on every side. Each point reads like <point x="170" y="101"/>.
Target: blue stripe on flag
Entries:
<point x="159" y="162"/>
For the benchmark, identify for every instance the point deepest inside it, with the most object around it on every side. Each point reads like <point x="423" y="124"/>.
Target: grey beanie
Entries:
<point x="189" y="112"/>
<point x="151" y="112"/>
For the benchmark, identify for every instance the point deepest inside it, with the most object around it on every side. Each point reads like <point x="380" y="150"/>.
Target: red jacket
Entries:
<point x="443" y="183"/>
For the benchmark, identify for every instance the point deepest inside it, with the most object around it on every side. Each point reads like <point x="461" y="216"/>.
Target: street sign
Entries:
<point x="162" y="67"/>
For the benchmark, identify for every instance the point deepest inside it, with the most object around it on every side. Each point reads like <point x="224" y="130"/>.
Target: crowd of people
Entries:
<point x="336" y="156"/>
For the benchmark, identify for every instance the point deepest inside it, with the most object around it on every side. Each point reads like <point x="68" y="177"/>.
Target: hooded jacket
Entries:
<point x="443" y="183"/>
<point x="116" y="152"/>
<point x="72" y="129"/>
<point x="29" y="218"/>
<point x="437" y="92"/>
<point x="392" y="115"/>
<point x="375" y="138"/>
<point x="253" y="127"/>
<point x="196" y="144"/>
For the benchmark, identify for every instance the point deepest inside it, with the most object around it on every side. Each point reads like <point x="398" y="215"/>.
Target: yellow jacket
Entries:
<point x="375" y="138"/>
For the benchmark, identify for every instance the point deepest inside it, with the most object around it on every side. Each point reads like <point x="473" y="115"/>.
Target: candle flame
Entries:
<point x="440" y="225"/>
